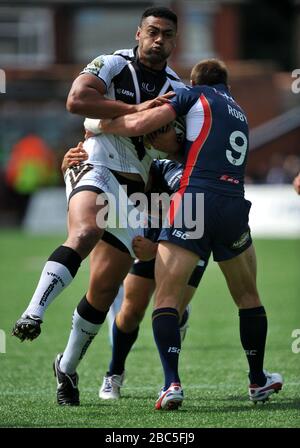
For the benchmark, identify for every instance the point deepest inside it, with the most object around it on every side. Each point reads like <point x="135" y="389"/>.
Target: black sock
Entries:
<point x="122" y="343"/>
<point x="253" y="333"/>
<point x="89" y="313"/>
<point x="68" y="257"/>
<point x="167" y="337"/>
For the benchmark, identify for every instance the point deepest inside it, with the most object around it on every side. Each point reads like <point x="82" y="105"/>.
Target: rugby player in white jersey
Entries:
<point x="111" y="86"/>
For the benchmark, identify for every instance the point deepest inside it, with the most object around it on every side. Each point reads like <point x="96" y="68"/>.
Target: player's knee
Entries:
<point x="137" y="315"/>
<point x="86" y="236"/>
<point x="167" y="298"/>
<point x="104" y="294"/>
<point x="131" y="316"/>
<point x="248" y="300"/>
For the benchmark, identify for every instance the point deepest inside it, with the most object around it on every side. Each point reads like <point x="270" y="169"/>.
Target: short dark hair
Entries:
<point x="210" y="72"/>
<point x="160" y="11"/>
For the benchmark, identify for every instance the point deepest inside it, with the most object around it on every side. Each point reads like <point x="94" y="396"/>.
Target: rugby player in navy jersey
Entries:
<point x="216" y="149"/>
<point x="139" y="284"/>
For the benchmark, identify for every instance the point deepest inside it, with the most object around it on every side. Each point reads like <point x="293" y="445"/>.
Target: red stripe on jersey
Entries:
<point x="194" y="152"/>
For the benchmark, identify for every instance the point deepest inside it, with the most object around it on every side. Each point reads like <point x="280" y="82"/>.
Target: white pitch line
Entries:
<point x="146" y="388"/>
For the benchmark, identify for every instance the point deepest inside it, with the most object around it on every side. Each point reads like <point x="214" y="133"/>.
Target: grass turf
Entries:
<point x="213" y="366"/>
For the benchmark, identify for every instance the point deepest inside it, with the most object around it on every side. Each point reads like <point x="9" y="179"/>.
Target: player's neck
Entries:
<point x="157" y="67"/>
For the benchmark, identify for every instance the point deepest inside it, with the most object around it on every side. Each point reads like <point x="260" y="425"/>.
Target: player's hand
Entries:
<point x="296" y="183"/>
<point x="159" y="101"/>
<point x="73" y="157"/>
<point x="144" y="249"/>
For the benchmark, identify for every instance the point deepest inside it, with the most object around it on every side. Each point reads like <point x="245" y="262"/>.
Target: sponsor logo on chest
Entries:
<point x="125" y="92"/>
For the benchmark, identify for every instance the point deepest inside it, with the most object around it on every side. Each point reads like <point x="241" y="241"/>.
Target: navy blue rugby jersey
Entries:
<point x="166" y="175"/>
<point x="165" y="178"/>
<point x="216" y="143"/>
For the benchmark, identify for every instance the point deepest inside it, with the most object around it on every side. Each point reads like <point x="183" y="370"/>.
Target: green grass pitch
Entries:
<point x="213" y="366"/>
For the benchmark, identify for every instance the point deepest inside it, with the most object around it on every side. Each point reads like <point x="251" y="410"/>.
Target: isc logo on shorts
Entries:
<point x="180" y="234"/>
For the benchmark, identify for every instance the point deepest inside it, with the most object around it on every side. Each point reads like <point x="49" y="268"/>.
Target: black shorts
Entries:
<point x="224" y="228"/>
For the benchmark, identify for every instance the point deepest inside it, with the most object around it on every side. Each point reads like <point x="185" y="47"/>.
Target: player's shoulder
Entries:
<point x="174" y="79"/>
<point x="118" y="58"/>
<point x="192" y="93"/>
<point x="127" y="53"/>
<point x="214" y="90"/>
<point x="182" y="90"/>
<point x="172" y="75"/>
<point x="183" y="93"/>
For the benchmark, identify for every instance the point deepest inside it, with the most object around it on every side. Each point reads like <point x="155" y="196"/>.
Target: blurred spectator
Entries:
<point x="31" y="165"/>
<point x="276" y="174"/>
<point x="283" y="169"/>
<point x="296" y="183"/>
<point x="291" y="167"/>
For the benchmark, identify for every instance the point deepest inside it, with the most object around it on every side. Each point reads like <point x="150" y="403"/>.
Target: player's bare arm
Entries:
<point x="140" y="123"/>
<point x="96" y="126"/>
<point x="86" y="98"/>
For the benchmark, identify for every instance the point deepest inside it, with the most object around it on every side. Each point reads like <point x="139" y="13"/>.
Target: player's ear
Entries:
<point x="138" y="33"/>
<point x="192" y="83"/>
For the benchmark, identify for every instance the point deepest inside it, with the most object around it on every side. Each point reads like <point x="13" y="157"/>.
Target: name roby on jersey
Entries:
<point x="216" y="145"/>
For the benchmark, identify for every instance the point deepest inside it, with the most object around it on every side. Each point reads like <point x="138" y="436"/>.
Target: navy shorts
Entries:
<point x="226" y="232"/>
<point x="145" y="269"/>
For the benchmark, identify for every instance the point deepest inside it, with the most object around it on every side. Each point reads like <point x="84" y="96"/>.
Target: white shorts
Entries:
<point x="121" y="221"/>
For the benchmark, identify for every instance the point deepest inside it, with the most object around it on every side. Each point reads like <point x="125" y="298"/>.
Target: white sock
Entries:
<point x="54" y="279"/>
<point x="113" y="311"/>
<point x="82" y="334"/>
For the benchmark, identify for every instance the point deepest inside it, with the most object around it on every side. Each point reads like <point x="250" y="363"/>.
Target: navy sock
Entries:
<point x="122" y="343"/>
<point x="165" y="324"/>
<point x="253" y="333"/>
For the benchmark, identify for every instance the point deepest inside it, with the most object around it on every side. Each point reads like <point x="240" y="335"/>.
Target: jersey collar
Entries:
<point x="221" y="87"/>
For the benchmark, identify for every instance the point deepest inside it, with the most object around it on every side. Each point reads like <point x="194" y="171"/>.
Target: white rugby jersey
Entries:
<point x="128" y="80"/>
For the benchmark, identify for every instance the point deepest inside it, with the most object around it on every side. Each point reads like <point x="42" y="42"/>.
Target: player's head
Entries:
<point x="156" y="35"/>
<point x="209" y="72"/>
